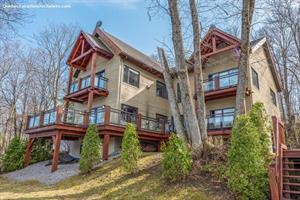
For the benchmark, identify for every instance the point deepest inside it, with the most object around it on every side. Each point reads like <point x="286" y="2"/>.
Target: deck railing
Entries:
<point x="100" y="83"/>
<point x="221" y="82"/>
<point x="220" y="121"/>
<point x="103" y="115"/>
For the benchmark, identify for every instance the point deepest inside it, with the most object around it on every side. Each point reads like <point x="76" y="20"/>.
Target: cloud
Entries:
<point x="115" y="3"/>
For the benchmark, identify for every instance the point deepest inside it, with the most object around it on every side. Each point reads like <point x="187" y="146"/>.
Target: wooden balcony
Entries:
<point x="80" y="93"/>
<point x="220" y="87"/>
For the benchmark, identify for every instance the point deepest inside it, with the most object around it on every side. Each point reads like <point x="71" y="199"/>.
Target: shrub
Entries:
<point x="40" y="150"/>
<point x="91" y="149"/>
<point x="263" y="127"/>
<point x="177" y="159"/>
<point x="246" y="171"/>
<point x="131" y="149"/>
<point x="15" y="154"/>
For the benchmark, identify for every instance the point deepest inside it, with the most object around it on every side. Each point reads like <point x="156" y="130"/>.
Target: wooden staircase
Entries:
<point x="284" y="174"/>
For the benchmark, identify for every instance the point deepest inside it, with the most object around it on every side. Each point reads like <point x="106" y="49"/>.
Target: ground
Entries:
<point x="110" y="182"/>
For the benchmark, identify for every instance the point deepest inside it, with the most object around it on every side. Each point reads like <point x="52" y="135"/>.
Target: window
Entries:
<point x="97" y="115"/>
<point x="129" y="113"/>
<point x="74" y="87"/>
<point x="178" y="94"/>
<point x="161" y="90"/>
<point x="100" y="80"/>
<point x="221" y="118"/>
<point x="221" y="80"/>
<point x="85" y="82"/>
<point x="255" y="78"/>
<point x="131" y="76"/>
<point x="273" y="96"/>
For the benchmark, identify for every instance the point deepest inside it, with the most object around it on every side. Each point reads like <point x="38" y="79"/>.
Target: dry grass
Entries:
<point x="110" y="182"/>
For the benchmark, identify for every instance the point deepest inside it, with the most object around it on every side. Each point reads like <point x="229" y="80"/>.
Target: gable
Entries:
<point x="216" y="41"/>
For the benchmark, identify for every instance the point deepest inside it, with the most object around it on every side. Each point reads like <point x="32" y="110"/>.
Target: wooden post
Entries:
<point x="158" y="146"/>
<point x="107" y="115"/>
<point x="105" y="146"/>
<point x="79" y="83"/>
<point x="217" y="83"/>
<point x="214" y="43"/>
<point x="27" y="122"/>
<point x="56" y="151"/>
<point x="59" y="113"/>
<point x="273" y="183"/>
<point x="93" y="67"/>
<point x="42" y="114"/>
<point x="139" y="122"/>
<point x="70" y="79"/>
<point x="28" y="151"/>
<point x="162" y="127"/>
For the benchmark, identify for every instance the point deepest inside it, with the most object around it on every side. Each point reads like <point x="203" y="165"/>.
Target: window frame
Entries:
<point x="127" y="78"/>
<point x="273" y="97"/>
<point x="166" y="91"/>
<point x="255" y="78"/>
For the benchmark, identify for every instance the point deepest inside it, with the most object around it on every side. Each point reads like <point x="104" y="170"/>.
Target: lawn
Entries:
<point x="111" y="182"/>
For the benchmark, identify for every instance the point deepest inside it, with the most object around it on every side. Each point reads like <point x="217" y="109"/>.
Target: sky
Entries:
<point x="125" y="19"/>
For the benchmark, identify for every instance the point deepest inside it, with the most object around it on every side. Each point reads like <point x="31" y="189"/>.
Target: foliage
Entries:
<point x="177" y="159"/>
<point x="264" y="129"/>
<point x="40" y="151"/>
<point x="246" y="167"/>
<point x="15" y="154"/>
<point x="91" y="149"/>
<point x="131" y="149"/>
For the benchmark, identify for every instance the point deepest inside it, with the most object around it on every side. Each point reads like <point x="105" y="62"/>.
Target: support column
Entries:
<point x="91" y="91"/>
<point x="28" y="151"/>
<point x="158" y="146"/>
<point x="56" y="152"/>
<point x="105" y="146"/>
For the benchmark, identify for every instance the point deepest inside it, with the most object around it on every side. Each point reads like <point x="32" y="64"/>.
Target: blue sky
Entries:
<point x="126" y="19"/>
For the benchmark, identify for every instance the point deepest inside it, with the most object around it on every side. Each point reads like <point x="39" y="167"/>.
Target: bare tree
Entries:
<point x="200" y="105"/>
<point x="247" y="14"/>
<point x="192" y="128"/>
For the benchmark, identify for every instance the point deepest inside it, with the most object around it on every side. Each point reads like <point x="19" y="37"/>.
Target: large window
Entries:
<point x="74" y="87"/>
<point x="161" y="90"/>
<point x="100" y="80"/>
<point x="221" y="118"/>
<point x="255" y="78"/>
<point x="221" y="80"/>
<point x="131" y="76"/>
<point x="273" y="96"/>
<point x="178" y="94"/>
<point x="85" y="82"/>
<point x="129" y="113"/>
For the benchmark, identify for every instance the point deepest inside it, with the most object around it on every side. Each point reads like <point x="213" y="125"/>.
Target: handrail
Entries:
<point x="221" y="77"/>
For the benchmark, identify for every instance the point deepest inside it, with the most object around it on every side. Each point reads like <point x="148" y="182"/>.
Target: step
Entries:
<point x="291" y="176"/>
<point x="291" y="184"/>
<point x="291" y="191"/>
<point x="291" y="169"/>
<point x="291" y="154"/>
<point x="291" y="163"/>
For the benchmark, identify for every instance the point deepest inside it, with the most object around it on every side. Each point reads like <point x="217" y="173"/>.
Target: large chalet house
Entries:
<point x="111" y="84"/>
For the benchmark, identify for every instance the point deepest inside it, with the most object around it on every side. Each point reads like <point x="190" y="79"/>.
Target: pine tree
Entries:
<point x="131" y="149"/>
<point x="91" y="149"/>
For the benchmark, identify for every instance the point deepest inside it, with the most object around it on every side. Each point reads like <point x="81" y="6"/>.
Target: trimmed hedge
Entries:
<point x="91" y="149"/>
<point x="177" y="159"/>
<point x="131" y="149"/>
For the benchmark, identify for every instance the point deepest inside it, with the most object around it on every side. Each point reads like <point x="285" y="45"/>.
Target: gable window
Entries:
<point x="131" y="76"/>
<point x="74" y="87"/>
<point x="178" y="94"/>
<point x="255" y="78"/>
<point x="85" y="82"/>
<point x="161" y="90"/>
<point x="273" y="96"/>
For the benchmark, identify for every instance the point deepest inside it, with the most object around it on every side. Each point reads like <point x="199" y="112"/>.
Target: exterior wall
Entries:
<point x="114" y="145"/>
<point x="144" y="97"/>
<point x="112" y="72"/>
<point x="258" y="61"/>
<point x="72" y="146"/>
<point x="228" y="102"/>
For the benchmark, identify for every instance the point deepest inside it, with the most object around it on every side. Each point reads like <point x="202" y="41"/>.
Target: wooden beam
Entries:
<point x="82" y="46"/>
<point x="28" y="151"/>
<point x="81" y="56"/>
<point x="218" y="51"/>
<point x="56" y="152"/>
<point x="93" y="67"/>
<point x="106" y="146"/>
<point x="214" y="43"/>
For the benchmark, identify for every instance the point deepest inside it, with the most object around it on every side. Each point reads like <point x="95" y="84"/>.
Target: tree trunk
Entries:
<point x="247" y="13"/>
<point x="190" y="118"/>
<point x="171" y="94"/>
<point x="200" y="105"/>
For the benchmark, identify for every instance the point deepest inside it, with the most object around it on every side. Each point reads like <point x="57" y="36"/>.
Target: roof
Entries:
<point x="124" y="49"/>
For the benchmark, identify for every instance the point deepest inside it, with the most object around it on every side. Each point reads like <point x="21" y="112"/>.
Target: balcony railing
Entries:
<point x="221" y="82"/>
<point x="220" y="121"/>
<point x="100" y="83"/>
